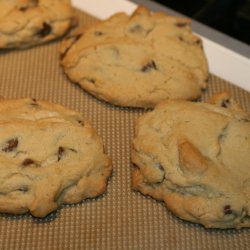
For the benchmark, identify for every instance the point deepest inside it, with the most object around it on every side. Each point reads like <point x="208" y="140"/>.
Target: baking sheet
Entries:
<point x="121" y="218"/>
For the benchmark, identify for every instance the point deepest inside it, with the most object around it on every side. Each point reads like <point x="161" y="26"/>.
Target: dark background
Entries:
<point x="231" y="17"/>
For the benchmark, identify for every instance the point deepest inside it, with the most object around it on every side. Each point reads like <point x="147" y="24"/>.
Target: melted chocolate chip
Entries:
<point x="225" y="103"/>
<point x="46" y="30"/>
<point x="11" y="145"/>
<point x="81" y="122"/>
<point x="27" y="162"/>
<point x="60" y="153"/>
<point x="149" y="66"/>
<point x="227" y="209"/>
<point x="181" y="38"/>
<point x="98" y="33"/>
<point x="34" y="102"/>
<point x="198" y="42"/>
<point x="33" y="3"/>
<point x="24" y="8"/>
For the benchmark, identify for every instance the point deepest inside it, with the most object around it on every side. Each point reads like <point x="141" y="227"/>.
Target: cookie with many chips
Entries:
<point x="195" y="157"/>
<point x="137" y="60"/>
<point x="48" y="157"/>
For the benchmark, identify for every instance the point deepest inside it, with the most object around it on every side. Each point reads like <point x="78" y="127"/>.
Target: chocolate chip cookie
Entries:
<point x="196" y="158"/>
<point x="25" y="23"/>
<point x="137" y="60"/>
<point x="48" y="157"/>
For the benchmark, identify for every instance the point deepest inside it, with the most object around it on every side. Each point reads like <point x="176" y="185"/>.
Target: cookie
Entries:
<point x="25" y="23"/>
<point x="48" y="157"/>
<point x="195" y="157"/>
<point x="137" y="60"/>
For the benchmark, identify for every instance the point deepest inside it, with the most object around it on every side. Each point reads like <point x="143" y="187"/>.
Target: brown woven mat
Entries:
<point x="120" y="219"/>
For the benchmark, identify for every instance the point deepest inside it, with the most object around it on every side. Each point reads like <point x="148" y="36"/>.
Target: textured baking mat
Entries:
<point x="120" y="219"/>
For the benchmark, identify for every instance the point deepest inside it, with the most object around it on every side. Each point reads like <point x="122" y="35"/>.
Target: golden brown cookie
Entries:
<point x="196" y="158"/>
<point x="137" y="60"/>
<point x="48" y="157"/>
<point x="25" y="23"/>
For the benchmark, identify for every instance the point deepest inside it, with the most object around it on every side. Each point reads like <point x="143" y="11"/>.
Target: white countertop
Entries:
<point x="223" y="62"/>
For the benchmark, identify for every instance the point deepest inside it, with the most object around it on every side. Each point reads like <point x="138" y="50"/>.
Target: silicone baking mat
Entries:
<point x="121" y="218"/>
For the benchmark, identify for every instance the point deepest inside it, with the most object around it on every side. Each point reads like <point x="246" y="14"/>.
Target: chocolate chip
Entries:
<point x="225" y="103"/>
<point x="198" y="42"/>
<point x="98" y="33"/>
<point x="60" y="153"/>
<point x="136" y="29"/>
<point x="11" y="145"/>
<point x="181" y="38"/>
<point x="73" y="150"/>
<point x="27" y="162"/>
<point x="81" y="122"/>
<point x="34" y="102"/>
<point x="24" y="8"/>
<point x="32" y="3"/>
<point x="149" y="66"/>
<point x="23" y="189"/>
<point x="46" y="29"/>
<point x="181" y="24"/>
<point x="227" y="209"/>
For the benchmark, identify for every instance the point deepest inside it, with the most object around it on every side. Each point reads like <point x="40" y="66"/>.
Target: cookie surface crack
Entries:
<point x="221" y="138"/>
<point x="194" y="190"/>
